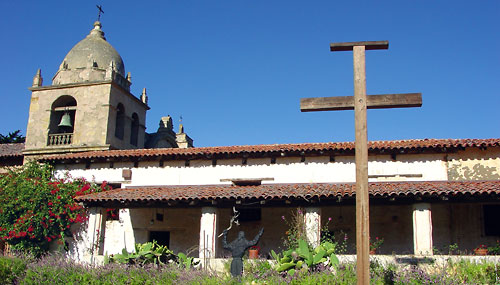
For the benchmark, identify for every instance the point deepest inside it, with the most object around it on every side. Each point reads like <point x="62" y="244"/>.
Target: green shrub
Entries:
<point x="11" y="269"/>
<point x="256" y="267"/>
<point x="381" y="274"/>
<point x="476" y="272"/>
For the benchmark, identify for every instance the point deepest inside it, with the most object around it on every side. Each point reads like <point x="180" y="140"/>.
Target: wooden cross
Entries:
<point x="99" y="13"/>
<point x="360" y="102"/>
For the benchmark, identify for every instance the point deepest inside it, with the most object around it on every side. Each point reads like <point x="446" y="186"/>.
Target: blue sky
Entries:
<point x="236" y="70"/>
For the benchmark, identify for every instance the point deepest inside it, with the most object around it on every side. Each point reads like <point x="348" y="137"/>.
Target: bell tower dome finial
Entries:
<point x="99" y="7"/>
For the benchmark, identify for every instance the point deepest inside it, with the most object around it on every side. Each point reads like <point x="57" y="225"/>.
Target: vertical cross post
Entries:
<point x="361" y="153"/>
<point x="360" y="103"/>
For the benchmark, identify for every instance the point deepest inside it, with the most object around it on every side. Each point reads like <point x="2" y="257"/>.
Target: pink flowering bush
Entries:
<point x="36" y="208"/>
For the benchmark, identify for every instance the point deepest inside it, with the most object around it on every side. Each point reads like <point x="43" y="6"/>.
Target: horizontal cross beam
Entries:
<point x="372" y="102"/>
<point x="369" y="45"/>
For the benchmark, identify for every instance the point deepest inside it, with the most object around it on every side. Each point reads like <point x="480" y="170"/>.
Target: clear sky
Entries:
<point x="236" y="70"/>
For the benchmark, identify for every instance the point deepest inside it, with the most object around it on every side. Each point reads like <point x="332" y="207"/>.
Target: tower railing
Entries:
<point x="60" y="139"/>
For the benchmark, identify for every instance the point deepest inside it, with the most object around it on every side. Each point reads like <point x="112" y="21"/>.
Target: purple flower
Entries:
<point x="329" y="219"/>
<point x="283" y="218"/>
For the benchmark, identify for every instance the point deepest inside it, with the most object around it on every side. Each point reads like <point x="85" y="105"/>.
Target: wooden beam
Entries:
<point x="382" y="101"/>
<point x="361" y="158"/>
<point x="369" y="45"/>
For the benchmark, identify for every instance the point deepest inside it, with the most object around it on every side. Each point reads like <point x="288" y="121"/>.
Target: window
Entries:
<point x="120" y="121"/>
<point x="162" y="237"/>
<point x="491" y="220"/>
<point x="134" y="132"/>
<point x="249" y="214"/>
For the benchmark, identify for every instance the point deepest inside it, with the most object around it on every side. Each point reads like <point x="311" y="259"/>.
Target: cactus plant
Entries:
<point x="303" y="258"/>
<point x="151" y="252"/>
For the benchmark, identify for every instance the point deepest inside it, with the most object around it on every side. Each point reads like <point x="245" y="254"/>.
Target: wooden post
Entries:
<point x="360" y="103"/>
<point x="362" y="204"/>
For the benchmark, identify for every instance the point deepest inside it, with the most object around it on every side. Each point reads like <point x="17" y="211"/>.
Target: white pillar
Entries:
<point x="422" y="229"/>
<point x="208" y="233"/>
<point x="313" y="225"/>
<point x="96" y="230"/>
<point x="128" y="230"/>
<point x="120" y="234"/>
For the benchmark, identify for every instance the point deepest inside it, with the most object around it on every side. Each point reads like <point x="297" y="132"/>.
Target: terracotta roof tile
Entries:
<point x="374" y="146"/>
<point x="285" y="191"/>
<point x="11" y="149"/>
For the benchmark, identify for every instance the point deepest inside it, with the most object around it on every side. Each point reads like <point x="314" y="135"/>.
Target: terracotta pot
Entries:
<point x="253" y="253"/>
<point x="373" y="251"/>
<point x="481" y="251"/>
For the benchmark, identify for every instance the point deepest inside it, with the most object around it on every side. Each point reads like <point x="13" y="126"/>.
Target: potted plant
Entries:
<point x="481" y="250"/>
<point x="253" y="252"/>
<point x="375" y="244"/>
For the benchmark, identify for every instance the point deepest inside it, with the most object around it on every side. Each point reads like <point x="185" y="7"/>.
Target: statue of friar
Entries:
<point x="238" y="248"/>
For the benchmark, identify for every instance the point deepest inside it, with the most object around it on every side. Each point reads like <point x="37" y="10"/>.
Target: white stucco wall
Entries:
<point x="285" y="170"/>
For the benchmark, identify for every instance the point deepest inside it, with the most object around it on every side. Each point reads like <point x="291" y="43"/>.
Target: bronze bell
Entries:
<point x="65" y="121"/>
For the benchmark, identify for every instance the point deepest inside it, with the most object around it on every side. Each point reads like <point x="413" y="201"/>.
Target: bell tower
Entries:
<point x="88" y="106"/>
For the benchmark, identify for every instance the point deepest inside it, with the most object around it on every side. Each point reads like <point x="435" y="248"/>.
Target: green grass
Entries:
<point x="11" y="269"/>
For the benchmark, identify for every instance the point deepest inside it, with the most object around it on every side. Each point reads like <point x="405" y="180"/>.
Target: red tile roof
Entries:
<point x="11" y="149"/>
<point x="336" y="147"/>
<point x="286" y="191"/>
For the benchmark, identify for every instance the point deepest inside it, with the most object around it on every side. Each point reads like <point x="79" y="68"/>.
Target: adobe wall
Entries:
<point x="183" y="225"/>
<point x="474" y="164"/>
<point x="393" y="223"/>
<point x="461" y="224"/>
<point x="273" y="224"/>
<point x="451" y="223"/>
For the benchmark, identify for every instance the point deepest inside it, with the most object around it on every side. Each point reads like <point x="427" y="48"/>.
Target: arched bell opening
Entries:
<point x="120" y="121"/>
<point x="62" y="121"/>
<point x="134" y="132"/>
